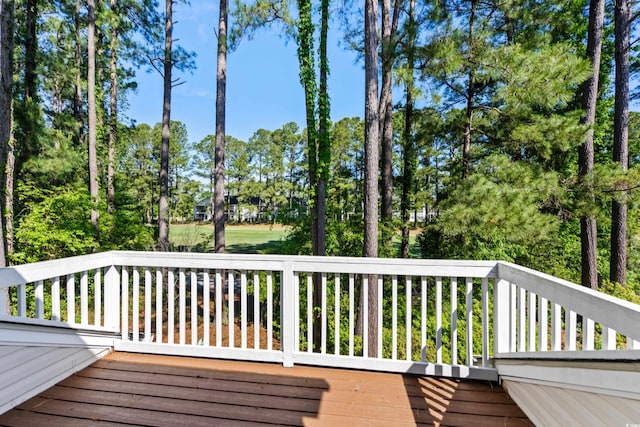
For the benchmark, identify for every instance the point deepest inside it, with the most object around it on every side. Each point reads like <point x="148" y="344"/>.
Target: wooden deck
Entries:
<point x="138" y="389"/>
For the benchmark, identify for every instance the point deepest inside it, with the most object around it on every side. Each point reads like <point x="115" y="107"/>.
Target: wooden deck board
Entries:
<point x="166" y="390"/>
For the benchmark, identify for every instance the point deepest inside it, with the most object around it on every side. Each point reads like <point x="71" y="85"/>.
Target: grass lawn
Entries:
<point x="246" y="239"/>
<point x="249" y="239"/>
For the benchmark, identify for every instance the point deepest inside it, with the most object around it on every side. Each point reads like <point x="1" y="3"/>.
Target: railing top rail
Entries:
<point x="621" y="315"/>
<point x="28" y="273"/>
<point x="355" y="265"/>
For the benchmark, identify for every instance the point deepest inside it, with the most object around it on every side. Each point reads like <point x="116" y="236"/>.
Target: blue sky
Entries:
<point x="263" y="89"/>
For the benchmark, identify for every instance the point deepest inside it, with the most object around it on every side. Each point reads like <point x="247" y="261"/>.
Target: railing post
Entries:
<point x="112" y="298"/>
<point x="287" y="315"/>
<point x="501" y="317"/>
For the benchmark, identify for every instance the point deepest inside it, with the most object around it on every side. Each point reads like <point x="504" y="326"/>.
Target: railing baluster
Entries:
<point x="570" y="334"/>
<point x="39" y="296"/>
<point x="394" y="317"/>
<point x="438" y="320"/>
<point x="171" y="304"/>
<point x="588" y="331"/>
<point x="296" y="311"/>
<point x="513" y="325"/>
<point x="408" y="313"/>
<point x="206" y="306"/>
<point x="531" y="312"/>
<point x="423" y="317"/>
<point x="351" y="317"/>
<point x="124" y="289"/>
<point x="194" y="307"/>
<point x="22" y="300"/>
<point x="609" y="336"/>
<point x="147" y="305"/>
<point x="218" y="304"/>
<point x="55" y="299"/>
<point x="135" y="309"/>
<point x="323" y="314"/>
<point x="256" y="310"/>
<point x="485" y="322"/>
<point x="522" y="319"/>
<point x="84" y="298"/>
<point x="243" y="309"/>
<point x="159" y="306"/>
<point x="336" y="314"/>
<point x="556" y="327"/>
<point x="454" y="320"/>
<point x="469" y="311"/>
<point x="71" y="299"/>
<point x="380" y="316"/>
<point x="182" y="307"/>
<point x="270" y="310"/>
<point x="309" y="312"/>
<point x="365" y="313"/>
<point x="97" y="290"/>
<point x="231" y="285"/>
<point x="543" y="324"/>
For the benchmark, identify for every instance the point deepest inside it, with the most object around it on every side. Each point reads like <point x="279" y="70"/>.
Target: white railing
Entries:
<point x="541" y="316"/>
<point x="434" y="317"/>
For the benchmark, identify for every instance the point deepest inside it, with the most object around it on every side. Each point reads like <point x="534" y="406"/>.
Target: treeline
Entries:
<point x="508" y="135"/>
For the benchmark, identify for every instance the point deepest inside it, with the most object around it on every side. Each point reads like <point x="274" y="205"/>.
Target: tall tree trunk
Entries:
<point x="9" y="189"/>
<point x="163" y="207"/>
<point x="77" y="97"/>
<point x="371" y="140"/>
<point x="386" y="130"/>
<point x="410" y="157"/>
<point x="588" y="230"/>
<point x="6" y="116"/>
<point x="221" y="93"/>
<point x="618" y="262"/>
<point x="113" y="111"/>
<point x="385" y="114"/>
<point x="91" y="100"/>
<point x="30" y="48"/>
<point x="28" y="143"/>
<point x="468" y="126"/>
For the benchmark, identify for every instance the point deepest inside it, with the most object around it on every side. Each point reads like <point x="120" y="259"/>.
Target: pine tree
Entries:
<point x="618" y="262"/>
<point x="588" y="230"/>
<point x="221" y="93"/>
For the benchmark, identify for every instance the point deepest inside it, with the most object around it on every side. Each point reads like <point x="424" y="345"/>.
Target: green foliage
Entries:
<point x="56" y="224"/>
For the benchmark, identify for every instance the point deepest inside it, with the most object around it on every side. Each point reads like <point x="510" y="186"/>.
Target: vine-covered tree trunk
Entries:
<point x="113" y="111"/>
<point x="308" y="81"/>
<point x="6" y="111"/>
<point x="324" y="139"/>
<point x="371" y="154"/>
<point x="221" y="90"/>
<point x="6" y="107"/>
<point x="7" y="143"/>
<point x="618" y="262"/>
<point x="163" y="207"/>
<point x="588" y="230"/>
<point x="91" y="101"/>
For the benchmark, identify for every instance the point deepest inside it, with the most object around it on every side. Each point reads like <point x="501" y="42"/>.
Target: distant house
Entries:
<point x="248" y="212"/>
<point x="202" y="210"/>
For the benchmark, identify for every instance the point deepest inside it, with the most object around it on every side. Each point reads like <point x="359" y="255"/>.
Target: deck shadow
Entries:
<point x="454" y="402"/>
